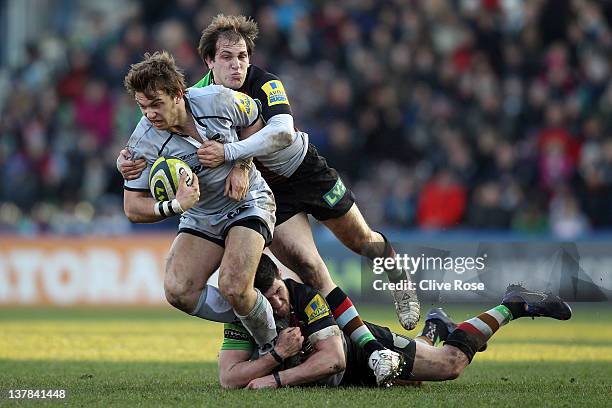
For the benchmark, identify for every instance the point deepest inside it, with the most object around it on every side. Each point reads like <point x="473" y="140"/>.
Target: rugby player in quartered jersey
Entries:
<point x="326" y="356"/>
<point x="302" y="183"/>
<point x="323" y="359"/>
<point x="276" y="159"/>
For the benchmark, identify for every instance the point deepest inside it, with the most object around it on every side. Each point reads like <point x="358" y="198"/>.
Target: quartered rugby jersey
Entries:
<point x="309" y="312"/>
<point x="269" y="91"/>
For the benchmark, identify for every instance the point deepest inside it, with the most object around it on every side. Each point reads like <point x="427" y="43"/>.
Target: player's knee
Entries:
<point x="178" y="296"/>
<point x="453" y="372"/>
<point x="172" y="296"/>
<point x="234" y="291"/>
<point x="456" y="363"/>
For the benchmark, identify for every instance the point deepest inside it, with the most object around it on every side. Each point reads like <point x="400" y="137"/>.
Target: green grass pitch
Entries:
<point x="161" y="357"/>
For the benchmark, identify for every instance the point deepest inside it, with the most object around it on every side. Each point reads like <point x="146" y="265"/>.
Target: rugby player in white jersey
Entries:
<point x="214" y="231"/>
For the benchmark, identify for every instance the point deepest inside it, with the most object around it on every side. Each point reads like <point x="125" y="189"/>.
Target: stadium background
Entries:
<point x="452" y="121"/>
<point x="481" y="115"/>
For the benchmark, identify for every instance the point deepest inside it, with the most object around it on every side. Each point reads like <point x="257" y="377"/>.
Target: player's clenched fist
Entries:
<point x="289" y="342"/>
<point x="130" y="169"/>
<point x="211" y="154"/>
<point x="263" y="382"/>
<point x="188" y="192"/>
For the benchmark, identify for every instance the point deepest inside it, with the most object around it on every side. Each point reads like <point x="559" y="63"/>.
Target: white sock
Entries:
<point x="213" y="306"/>
<point x="260" y="323"/>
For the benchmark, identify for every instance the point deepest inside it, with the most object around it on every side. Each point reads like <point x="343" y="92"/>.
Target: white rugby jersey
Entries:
<point x="219" y="114"/>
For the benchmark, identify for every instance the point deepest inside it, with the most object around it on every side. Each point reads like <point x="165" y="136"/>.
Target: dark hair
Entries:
<point x="233" y="28"/>
<point x="267" y="271"/>
<point x="157" y="72"/>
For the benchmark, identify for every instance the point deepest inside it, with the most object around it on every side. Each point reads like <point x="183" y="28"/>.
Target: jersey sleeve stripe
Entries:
<point x="135" y="189"/>
<point x="232" y="344"/>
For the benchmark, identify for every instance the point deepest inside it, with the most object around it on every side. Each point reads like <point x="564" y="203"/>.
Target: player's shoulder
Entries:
<point x="302" y="295"/>
<point x="144" y="133"/>
<point x="295" y="287"/>
<point x="144" y="126"/>
<point x="269" y="89"/>
<point x="257" y="74"/>
<point x="307" y="301"/>
<point x="209" y="97"/>
<point x="258" y="79"/>
<point x="195" y="95"/>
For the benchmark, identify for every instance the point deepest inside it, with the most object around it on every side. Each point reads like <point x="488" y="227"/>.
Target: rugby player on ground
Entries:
<point x="301" y="180"/>
<point x="214" y="231"/>
<point x="318" y="353"/>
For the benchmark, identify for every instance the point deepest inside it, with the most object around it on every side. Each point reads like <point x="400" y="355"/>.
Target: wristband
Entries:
<point x="167" y="208"/>
<point x="176" y="206"/>
<point x="276" y="356"/>
<point x="276" y="376"/>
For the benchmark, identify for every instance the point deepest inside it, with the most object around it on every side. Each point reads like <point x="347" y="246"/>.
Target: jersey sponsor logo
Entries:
<point x="316" y="309"/>
<point x="234" y="334"/>
<point x="275" y="91"/>
<point x="335" y="194"/>
<point x="245" y="103"/>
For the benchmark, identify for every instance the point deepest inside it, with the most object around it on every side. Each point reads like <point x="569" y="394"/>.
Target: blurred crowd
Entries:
<point x="441" y="114"/>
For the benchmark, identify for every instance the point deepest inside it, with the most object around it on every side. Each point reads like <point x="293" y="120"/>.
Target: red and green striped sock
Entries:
<point x="348" y="320"/>
<point x="474" y="333"/>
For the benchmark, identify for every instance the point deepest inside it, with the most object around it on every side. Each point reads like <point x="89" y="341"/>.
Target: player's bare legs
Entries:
<point x="190" y="263"/>
<point x="243" y="248"/>
<point x="294" y="246"/>
<point x="448" y="362"/>
<point x="355" y="233"/>
<point x="437" y="363"/>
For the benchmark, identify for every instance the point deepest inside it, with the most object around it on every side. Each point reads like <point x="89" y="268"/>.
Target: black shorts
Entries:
<point x="255" y="223"/>
<point x="314" y="188"/>
<point x="357" y="370"/>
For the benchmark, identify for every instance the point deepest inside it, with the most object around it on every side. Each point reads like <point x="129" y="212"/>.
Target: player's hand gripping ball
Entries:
<point x="165" y="175"/>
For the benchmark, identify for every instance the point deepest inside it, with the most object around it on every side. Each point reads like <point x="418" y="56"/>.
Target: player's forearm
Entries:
<point x="240" y="374"/>
<point x="276" y="135"/>
<point x="318" y="366"/>
<point x="140" y="209"/>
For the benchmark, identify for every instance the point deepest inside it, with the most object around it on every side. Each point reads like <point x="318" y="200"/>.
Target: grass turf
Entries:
<point x="160" y="357"/>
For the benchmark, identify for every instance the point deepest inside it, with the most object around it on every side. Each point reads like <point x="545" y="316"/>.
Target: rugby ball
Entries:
<point x="165" y="175"/>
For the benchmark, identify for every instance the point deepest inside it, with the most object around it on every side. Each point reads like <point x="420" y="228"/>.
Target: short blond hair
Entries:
<point x="157" y="72"/>
<point x="232" y="28"/>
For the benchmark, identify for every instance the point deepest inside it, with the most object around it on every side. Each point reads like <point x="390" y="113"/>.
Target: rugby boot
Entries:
<point x="437" y="313"/>
<point x="387" y="365"/>
<point x="407" y="307"/>
<point x="523" y="302"/>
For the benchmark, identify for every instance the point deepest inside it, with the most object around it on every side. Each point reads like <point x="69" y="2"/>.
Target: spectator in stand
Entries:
<point x="516" y="92"/>
<point x="442" y="202"/>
